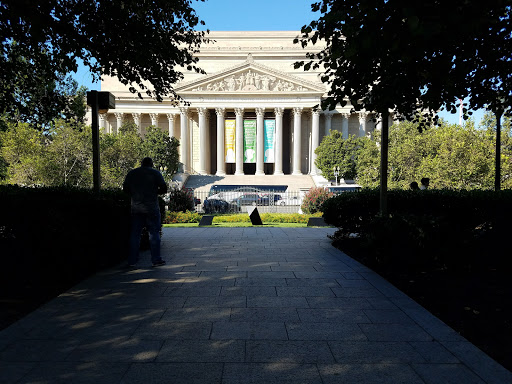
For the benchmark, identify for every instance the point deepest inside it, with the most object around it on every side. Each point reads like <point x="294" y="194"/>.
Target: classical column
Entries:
<point x="278" y="150"/>
<point x="202" y="140"/>
<point x="208" y="144"/>
<point x="297" y="154"/>
<point x="260" y="143"/>
<point x="170" y="118"/>
<point x="103" y="120"/>
<point x="154" y="119"/>
<point x="362" y="124"/>
<point x="119" y="120"/>
<point x="328" y="122"/>
<point x="184" y="139"/>
<point x="378" y="127"/>
<point x="315" y="139"/>
<point x="239" y="146"/>
<point x="344" y="125"/>
<point x="136" y="120"/>
<point x="221" y="161"/>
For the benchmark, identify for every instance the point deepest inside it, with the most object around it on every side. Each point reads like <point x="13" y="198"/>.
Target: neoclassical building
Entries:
<point x="251" y="114"/>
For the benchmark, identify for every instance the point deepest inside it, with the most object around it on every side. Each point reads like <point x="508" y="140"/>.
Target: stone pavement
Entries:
<point x="240" y="305"/>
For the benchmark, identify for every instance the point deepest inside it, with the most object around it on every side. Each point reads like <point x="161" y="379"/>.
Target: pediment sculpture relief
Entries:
<point x="249" y="82"/>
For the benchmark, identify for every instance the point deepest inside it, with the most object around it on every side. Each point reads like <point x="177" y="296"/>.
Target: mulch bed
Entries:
<point x="476" y="304"/>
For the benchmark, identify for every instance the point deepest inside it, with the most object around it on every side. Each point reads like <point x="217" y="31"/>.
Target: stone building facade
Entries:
<point x="251" y="114"/>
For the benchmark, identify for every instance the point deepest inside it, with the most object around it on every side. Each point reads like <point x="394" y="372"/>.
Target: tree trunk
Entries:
<point x="384" y="164"/>
<point x="497" y="174"/>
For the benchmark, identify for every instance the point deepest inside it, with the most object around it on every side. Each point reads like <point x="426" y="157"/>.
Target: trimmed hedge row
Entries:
<point x="194" y="217"/>
<point x="60" y="235"/>
<point x="445" y="228"/>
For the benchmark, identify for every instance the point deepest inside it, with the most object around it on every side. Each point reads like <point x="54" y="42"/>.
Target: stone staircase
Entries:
<point x="295" y="183"/>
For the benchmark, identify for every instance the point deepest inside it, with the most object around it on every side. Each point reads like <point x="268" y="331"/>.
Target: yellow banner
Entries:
<point x="230" y="136"/>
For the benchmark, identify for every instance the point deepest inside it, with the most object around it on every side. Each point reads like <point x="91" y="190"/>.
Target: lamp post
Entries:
<point x="336" y="170"/>
<point x="100" y="102"/>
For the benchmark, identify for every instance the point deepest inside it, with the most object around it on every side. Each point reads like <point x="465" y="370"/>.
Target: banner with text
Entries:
<point x="249" y="141"/>
<point x="270" y="140"/>
<point x="230" y="132"/>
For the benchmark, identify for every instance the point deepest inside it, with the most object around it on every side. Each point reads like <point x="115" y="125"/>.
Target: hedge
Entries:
<point x="451" y="229"/>
<point x="194" y="217"/>
<point x="60" y="235"/>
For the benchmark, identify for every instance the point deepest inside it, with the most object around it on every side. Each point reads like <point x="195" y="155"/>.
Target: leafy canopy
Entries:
<point x="335" y="151"/>
<point x="145" y="44"/>
<point x="409" y="56"/>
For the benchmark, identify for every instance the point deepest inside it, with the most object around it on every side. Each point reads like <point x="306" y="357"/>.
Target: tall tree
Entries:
<point x="402" y="56"/>
<point x="335" y="151"/>
<point x="145" y="44"/>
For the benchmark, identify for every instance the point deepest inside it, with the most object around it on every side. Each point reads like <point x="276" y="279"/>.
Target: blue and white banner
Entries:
<point x="270" y="140"/>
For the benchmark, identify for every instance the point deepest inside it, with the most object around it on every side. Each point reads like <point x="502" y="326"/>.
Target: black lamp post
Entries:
<point x="100" y="102"/>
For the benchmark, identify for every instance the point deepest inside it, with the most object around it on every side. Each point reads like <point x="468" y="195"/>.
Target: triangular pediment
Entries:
<point x="250" y="77"/>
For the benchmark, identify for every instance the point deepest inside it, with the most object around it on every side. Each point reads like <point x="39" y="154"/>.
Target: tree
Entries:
<point x="335" y="151"/>
<point x="120" y="153"/>
<point x="163" y="150"/>
<point x="22" y="150"/>
<point x="146" y="45"/>
<point x="62" y="155"/>
<point x="67" y="157"/>
<point x="404" y="56"/>
<point x="452" y="156"/>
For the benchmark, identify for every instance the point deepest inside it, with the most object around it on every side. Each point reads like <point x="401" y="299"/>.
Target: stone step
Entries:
<point x="295" y="183"/>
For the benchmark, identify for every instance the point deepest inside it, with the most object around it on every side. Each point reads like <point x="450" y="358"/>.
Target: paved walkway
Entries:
<point x="240" y="305"/>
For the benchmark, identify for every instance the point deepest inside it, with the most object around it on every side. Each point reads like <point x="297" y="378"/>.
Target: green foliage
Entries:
<point x="163" y="150"/>
<point x="60" y="235"/>
<point x="63" y="154"/>
<point x="266" y="218"/>
<point x="22" y="150"/>
<point x="336" y="151"/>
<point x="382" y="55"/>
<point x="314" y="199"/>
<point x="444" y="228"/>
<point x="140" y="43"/>
<point x="181" y="217"/>
<point x="194" y="217"/>
<point x="180" y="200"/>
<point x="288" y="217"/>
<point x="119" y="154"/>
<point x="67" y="156"/>
<point x="452" y="156"/>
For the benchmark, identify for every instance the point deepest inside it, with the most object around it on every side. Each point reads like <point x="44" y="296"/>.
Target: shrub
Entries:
<point x="313" y="200"/>
<point x="440" y="228"/>
<point x="72" y="234"/>
<point x="181" y="217"/>
<point x="180" y="200"/>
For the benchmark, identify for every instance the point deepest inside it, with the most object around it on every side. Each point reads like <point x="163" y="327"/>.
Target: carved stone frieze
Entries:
<point x="250" y="81"/>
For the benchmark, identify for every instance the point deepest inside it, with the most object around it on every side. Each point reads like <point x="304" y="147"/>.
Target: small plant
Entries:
<point x="180" y="200"/>
<point x="181" y="217"/>
<point x="313" y="200"/>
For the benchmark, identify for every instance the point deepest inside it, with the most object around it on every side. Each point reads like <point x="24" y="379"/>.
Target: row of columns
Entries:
<point x="137" y="120"/>
<point x="185" y="154"/>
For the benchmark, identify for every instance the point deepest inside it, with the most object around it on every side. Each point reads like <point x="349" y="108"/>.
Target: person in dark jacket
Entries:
<point x="144" y="184"/>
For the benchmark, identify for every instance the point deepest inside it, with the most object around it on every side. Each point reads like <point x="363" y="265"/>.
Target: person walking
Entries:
<point x="144" y="184"/>
<point x="425" y="182"/>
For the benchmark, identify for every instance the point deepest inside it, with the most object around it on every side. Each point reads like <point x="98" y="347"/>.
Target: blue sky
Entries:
<point x="261" y="15"/>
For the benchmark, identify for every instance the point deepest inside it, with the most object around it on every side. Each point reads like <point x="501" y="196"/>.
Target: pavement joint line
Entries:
<point x="387" y="309"/>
